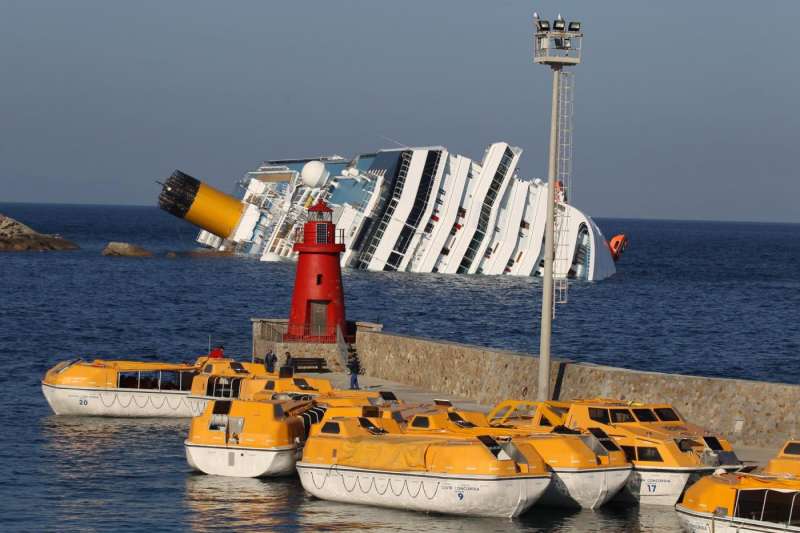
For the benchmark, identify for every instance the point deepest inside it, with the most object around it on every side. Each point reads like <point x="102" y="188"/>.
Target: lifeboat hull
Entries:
<point x="694" y="522"/>
<point x="460" y="495"/>
<point x="119" y="402"/>
<point x="588" y="489"/>
<point x="658" y="487"/>
<point x="234" y="461"/>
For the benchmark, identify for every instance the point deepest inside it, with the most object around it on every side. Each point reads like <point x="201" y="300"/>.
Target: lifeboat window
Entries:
<point x="647" y="453"/>
<point x="370" y="411"/>
<point x="211" y="385"/>
<point x="645" y="415"/>
<point x="713" y="443"/>
<point x="388" y="396"/>
<point x="621" y="416"/>
<point x="604" y="439"/>
<point x="208" y="369"/>
<point x="492" y="444"/>
<point x="222" y="407"/>
<point x="750" y="503"/>
<point x="170" y="380"/>
<point x="459" y="420"/>
<point x="630" y="453"/>
<point x="665" y="414"/>
<point x="686" y="445"/>
<point x="545" y="422"/>
<point x="330" y="427"/>
<point x="128" y="380"/>
<point x="367" y="424"/>
<point x="793" y="448"/>
<point x="277" y="411"/>
<point x="398" y="417"/>
<point x="778" y="506"/>
<point x="186" y="380"/>
<point x="302" y="384"/>
<point x="420" y="422"/>
<point x="270" y="385"/>
<point x="238" y="368"/>
<point x="599" y="415"/>
<point x="148" y="380"/>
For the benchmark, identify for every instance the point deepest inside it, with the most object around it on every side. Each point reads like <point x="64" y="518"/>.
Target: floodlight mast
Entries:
<point x="557" y="46"/>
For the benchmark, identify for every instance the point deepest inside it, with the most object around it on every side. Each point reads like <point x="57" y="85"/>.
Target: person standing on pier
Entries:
<point x="354" y="367"/>
<point x="269" y="361"/>
<point x="288" y="360"/>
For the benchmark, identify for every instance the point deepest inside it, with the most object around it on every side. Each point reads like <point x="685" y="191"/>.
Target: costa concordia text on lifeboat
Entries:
<point x="411" y="209"/>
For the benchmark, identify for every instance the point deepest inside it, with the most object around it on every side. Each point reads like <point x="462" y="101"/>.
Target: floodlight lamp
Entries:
<point x="559" y="25"/>
<point x="574" y="26"/>
<point x="543" y="25"/>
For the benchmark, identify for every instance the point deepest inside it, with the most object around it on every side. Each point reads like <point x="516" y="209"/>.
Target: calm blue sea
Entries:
<point x="705" y="298"/>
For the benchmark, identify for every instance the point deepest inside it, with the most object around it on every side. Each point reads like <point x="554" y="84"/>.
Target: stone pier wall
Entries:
<point x="750" y="413"/>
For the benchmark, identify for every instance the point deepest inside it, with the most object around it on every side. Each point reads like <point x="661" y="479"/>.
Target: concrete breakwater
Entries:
<point x="750" y="413"/>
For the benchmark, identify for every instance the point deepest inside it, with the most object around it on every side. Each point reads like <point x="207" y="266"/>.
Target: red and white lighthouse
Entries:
<point x="318" y="300"/>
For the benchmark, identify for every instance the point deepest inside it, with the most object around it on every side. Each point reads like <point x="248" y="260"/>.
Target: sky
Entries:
<point x="684" y="110"/>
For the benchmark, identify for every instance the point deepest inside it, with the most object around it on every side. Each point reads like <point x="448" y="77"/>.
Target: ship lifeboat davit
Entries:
<point x="617" y="246"/>
<point x="353" y="460"/>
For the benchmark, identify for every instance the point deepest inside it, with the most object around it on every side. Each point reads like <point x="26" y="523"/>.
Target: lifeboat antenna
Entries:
<point x="556" y="46"/>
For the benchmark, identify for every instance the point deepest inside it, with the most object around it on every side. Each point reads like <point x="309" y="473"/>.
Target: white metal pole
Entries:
<point x="543" y="390"/>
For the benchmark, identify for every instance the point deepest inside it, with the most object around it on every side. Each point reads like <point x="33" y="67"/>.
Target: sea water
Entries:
<point x="710" y="298"/>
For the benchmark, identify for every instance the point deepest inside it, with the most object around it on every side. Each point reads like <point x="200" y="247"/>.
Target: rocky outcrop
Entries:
<point x="125" y="249"/>
<point x="17" y="237"/>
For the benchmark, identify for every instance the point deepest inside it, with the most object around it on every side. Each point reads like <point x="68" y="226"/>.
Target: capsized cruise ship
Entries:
<point x="421" y="209"/>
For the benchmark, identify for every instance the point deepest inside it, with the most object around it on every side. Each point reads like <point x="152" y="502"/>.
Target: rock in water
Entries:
<point x="17" y="237"/>
<point x="125" y="249"/>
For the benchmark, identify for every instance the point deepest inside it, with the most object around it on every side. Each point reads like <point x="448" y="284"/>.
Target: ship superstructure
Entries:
<point x="421" y="209"/>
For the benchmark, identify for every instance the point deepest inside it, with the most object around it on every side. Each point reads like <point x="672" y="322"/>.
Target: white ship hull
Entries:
<point x="588" y="489"/>
<point x="657" y="487"/>
<point x="234" y="461"/>
<point x="460" y="495"/>
<point x="119" y="402"/>
<point x="695" y="522"/>
<point x="419" y="210"/>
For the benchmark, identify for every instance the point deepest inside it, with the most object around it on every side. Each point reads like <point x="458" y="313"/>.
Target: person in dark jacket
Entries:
<point x="354" y="367"/>
<point x="288" y="360"/>
<point x="269" y="361"/>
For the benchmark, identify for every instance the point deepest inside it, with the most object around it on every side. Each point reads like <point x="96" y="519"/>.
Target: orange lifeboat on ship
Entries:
<point x="617" y="245"/>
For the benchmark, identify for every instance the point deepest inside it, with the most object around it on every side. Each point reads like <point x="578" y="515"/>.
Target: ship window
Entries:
<point x="221" y="407"/>
<point x="621" y="416"/>
<point x="238" y="368"/>
<point x="302" y="384"/>
<point x="367" y="424"/>
<point x="459" y="420"/>
<point x="713" y="443"/>
<point x="170" y="380"/>
<point x="545" y="422"/>
<point x="420" y="422"/>
<point x="749" y="504"/>
<point x="331" y="427"/>
<point x="128" y="380"/>
<point x="319" y="279"/>
<point x="398" y="417"/>
<point x="630" y="453"/>
<point x="793" y="448"/>
<point x="269" y="385"/>
<point x="777" y="506"/>
<point x="665" y="414"/>
<point x="208" y="369"/>
<point x="277" y="411"/>
<point x="647" y="453"/>
<point x="186" y="380"/>
<point x="599" y="415"/>
<point x="148" y="380"/>
<point x="645" y="415"/>
<point x="604" y="439"/>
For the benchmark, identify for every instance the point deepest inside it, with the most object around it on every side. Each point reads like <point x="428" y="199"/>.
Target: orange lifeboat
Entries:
<point x="617" y="245"/>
